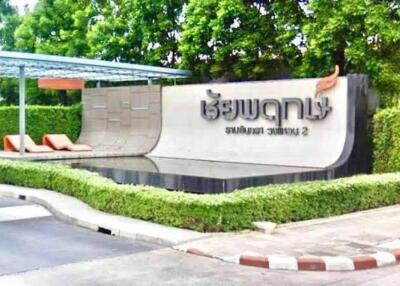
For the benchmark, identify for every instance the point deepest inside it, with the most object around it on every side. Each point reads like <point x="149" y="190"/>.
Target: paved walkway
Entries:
<point x="344" y="236"/>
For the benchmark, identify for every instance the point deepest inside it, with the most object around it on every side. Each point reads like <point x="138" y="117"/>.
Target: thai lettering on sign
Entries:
<point x="253" y="109"/>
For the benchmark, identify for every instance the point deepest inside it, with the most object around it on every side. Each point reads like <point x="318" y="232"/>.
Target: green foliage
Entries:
<point x="143" y="31"/>
<point x="6" y="9"/>
<point x="56" y="27"/>
<point x="225" y="212"/>
<point x="240" y="39"/>
<point x="9" y="23"/>
<point x="361" y="36"/>
<point x="9" y="94"/>
<point x="229" y="40"/>
<point x="41" y="120"/>
<point x="386" y="139"/>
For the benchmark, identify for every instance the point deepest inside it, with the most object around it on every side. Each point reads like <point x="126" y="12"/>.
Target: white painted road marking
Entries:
<point x="22" y="212"/>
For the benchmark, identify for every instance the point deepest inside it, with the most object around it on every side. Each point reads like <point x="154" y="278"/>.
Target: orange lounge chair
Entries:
<point x="11" y="144"/>
<point x="62" y="142"/>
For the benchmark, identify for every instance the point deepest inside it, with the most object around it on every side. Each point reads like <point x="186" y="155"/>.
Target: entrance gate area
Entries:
<point x="166" y="142"/>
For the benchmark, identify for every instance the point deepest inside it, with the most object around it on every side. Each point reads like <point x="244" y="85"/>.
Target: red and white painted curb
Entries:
<point x="314" y="263"/>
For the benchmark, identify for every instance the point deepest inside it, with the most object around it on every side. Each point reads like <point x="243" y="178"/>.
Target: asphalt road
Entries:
<point x="37" y="249"/>
<point x="31" y="238"/>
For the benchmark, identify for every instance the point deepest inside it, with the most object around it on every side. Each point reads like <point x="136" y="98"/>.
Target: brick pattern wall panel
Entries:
<point x="122" y="120"/>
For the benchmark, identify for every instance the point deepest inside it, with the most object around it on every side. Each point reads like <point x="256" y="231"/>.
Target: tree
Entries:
<point x="56" y="27"/>
<point x="144" y="31"/>
<point x="9" y="25"/>
<point x="241" y="40"/>
<point x="9" y="20"/>
<point x="361" y="36"/>
<point x="6" y="9"/>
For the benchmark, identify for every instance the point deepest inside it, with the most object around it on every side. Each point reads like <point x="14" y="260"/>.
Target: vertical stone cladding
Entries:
<point x="121" y="120"/>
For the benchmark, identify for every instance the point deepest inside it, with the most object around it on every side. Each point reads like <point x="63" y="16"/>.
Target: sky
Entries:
<point x="21" y="3"/>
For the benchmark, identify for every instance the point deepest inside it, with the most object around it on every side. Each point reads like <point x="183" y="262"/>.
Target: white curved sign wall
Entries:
<point x="186" y="134"/>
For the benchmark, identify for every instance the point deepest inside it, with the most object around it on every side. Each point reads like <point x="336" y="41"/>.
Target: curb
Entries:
<point x="310" y="263"/>
<point x="73" y="211"/>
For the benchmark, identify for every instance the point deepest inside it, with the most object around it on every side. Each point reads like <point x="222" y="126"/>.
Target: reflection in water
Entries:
<point x="188" y="175"/>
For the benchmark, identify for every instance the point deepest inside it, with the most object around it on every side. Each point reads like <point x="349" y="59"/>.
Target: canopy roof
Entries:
<point x="45" y="66"/>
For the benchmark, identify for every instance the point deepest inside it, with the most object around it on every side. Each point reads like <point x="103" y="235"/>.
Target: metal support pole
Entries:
<point x="149" y="81"/>
<point x="98" y="84"/>
<point x="22" y="110"/>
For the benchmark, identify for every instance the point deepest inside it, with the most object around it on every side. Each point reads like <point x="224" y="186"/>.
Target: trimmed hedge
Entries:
<point x="41" y="120"/>
<point x="224" y="212"/>
<point x="386" y="140"/>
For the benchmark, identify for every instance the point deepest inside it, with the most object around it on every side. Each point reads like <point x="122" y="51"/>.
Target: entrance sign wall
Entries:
<point x="271" y="122"/>
<point x="223" y="137"/>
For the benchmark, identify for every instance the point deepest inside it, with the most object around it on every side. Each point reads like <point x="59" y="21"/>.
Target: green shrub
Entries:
<point x="386" y="140"/>
<point x="41" y="120"/>
<point x="224" y="212"/>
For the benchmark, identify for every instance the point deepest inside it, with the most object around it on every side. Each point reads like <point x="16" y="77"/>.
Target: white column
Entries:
<point x="22" y="110"/>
